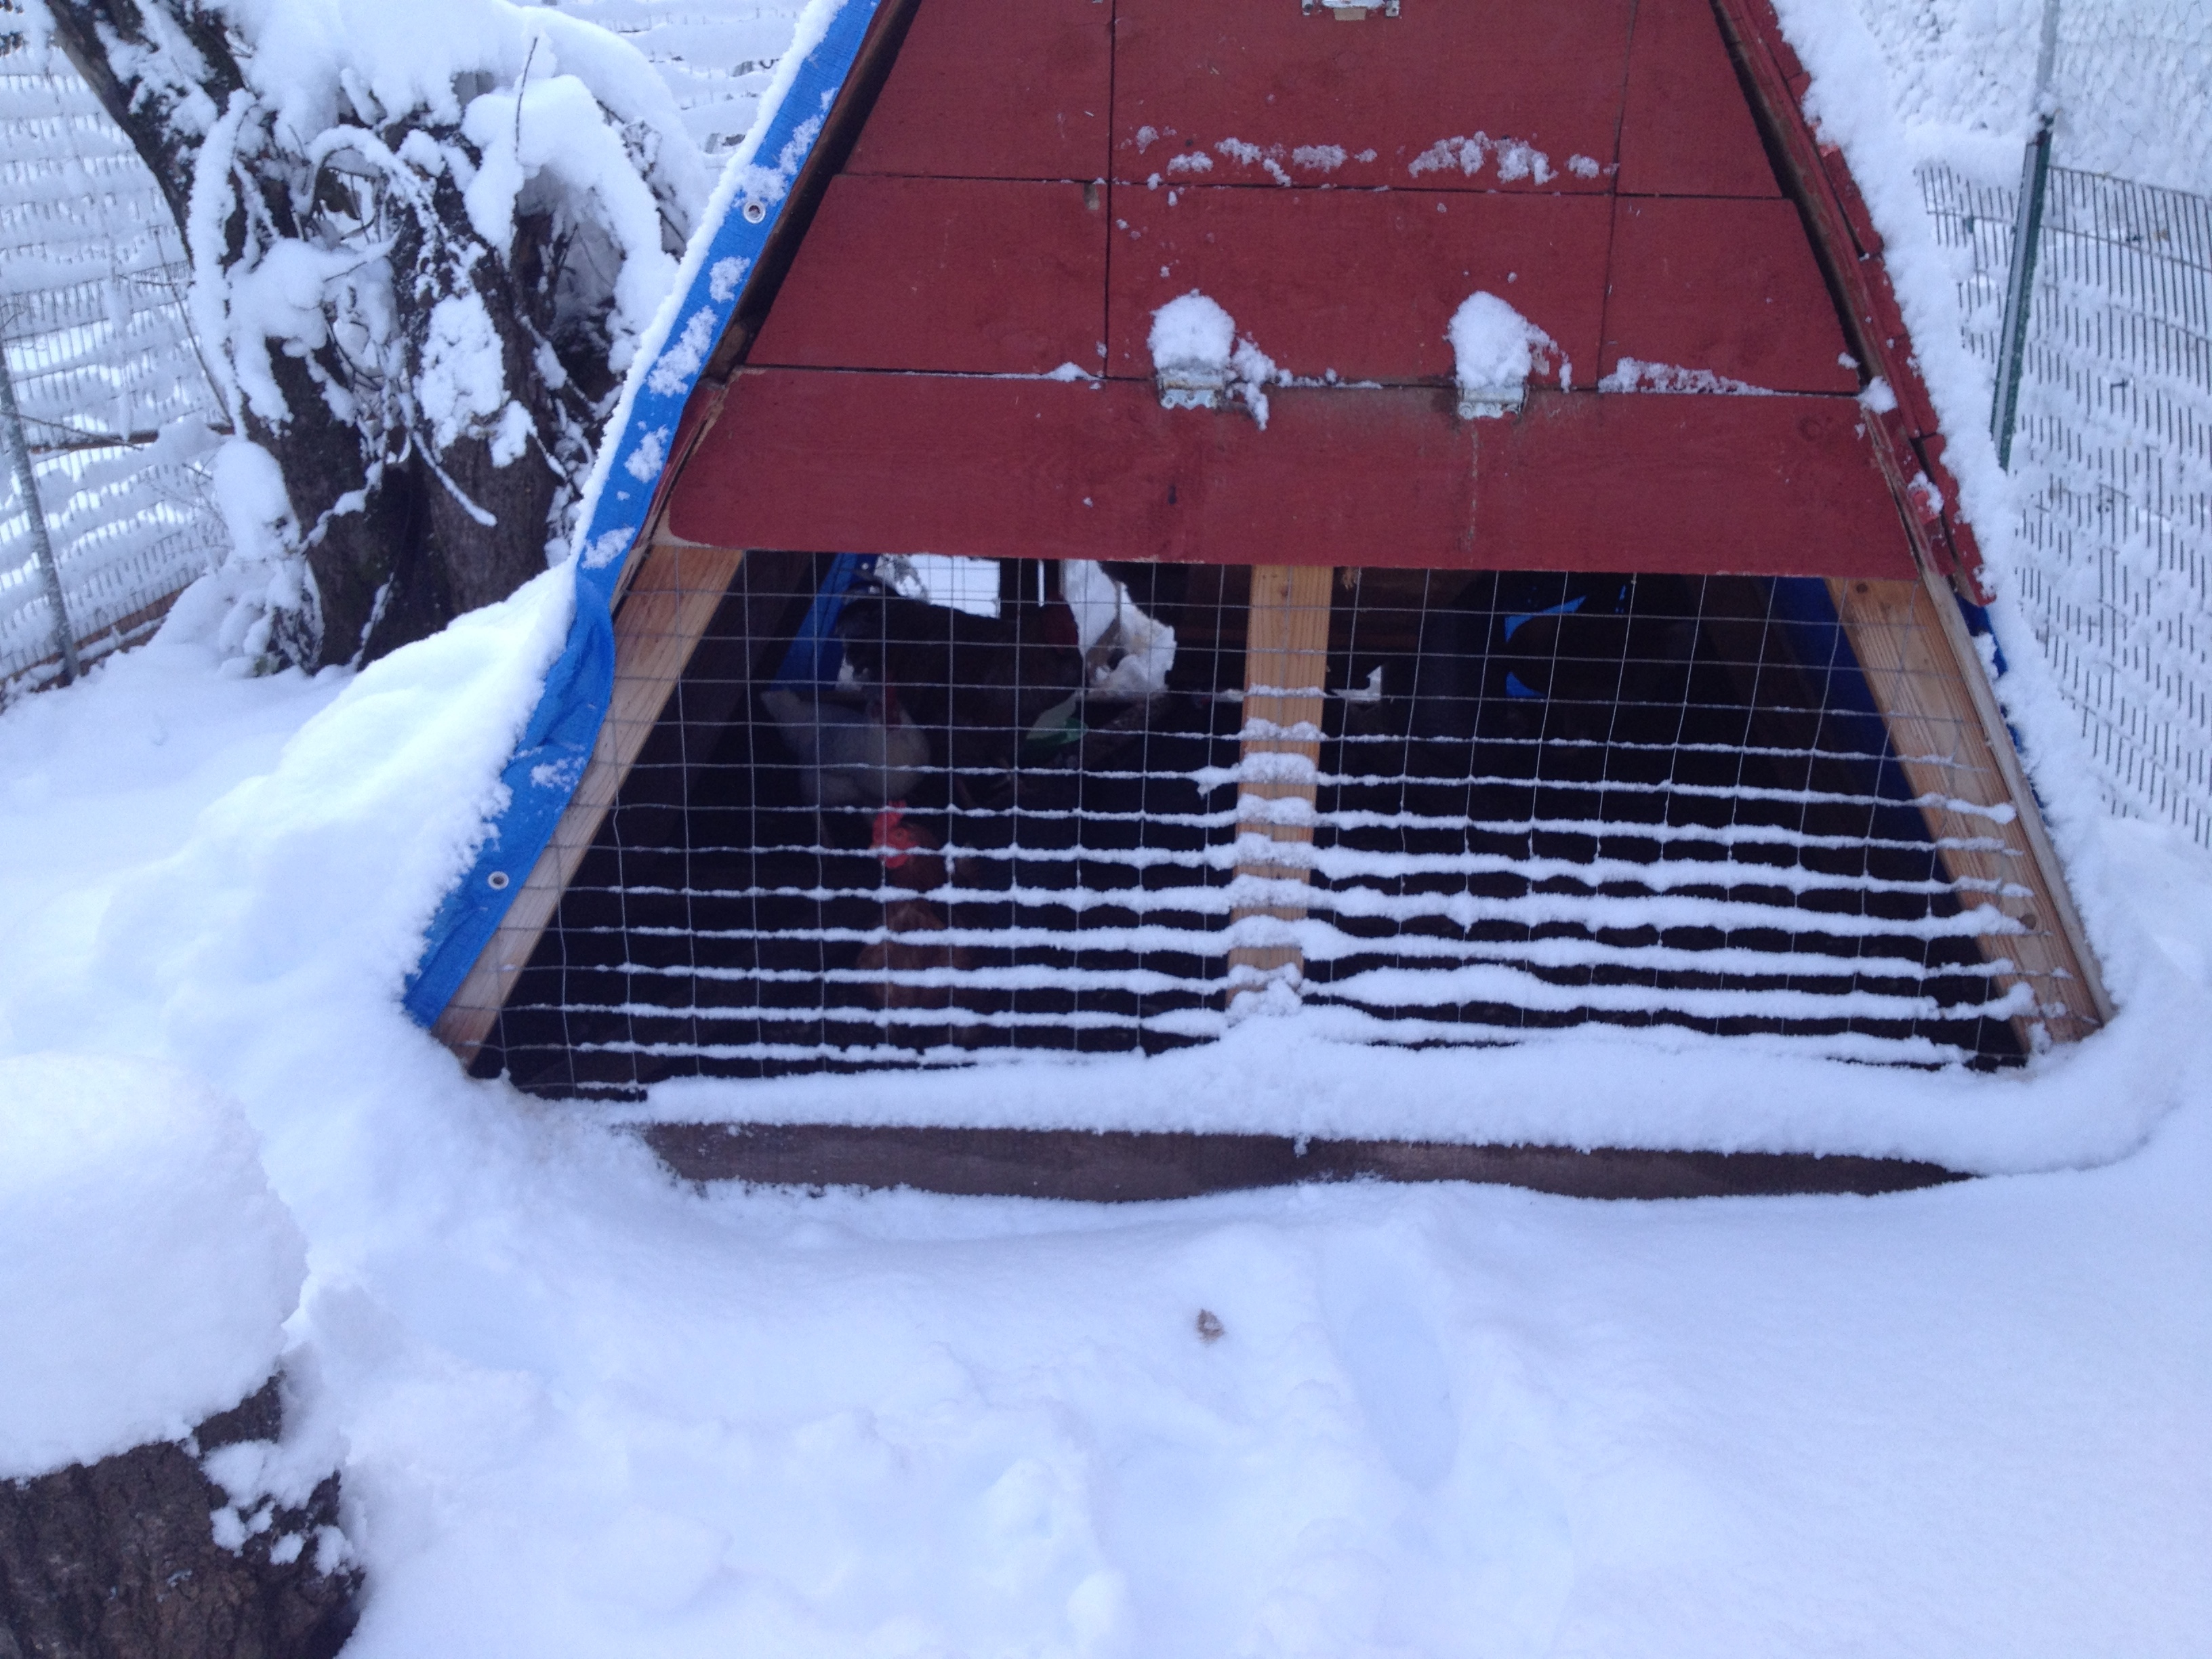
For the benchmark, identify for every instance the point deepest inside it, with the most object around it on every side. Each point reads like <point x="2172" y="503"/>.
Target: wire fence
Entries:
<point x="2131" y="80"/>
<point x="2115" y="447"/>
<point x="100" y="345"/>
<point x="102" y="358"/>
<point x="716" y="55"/>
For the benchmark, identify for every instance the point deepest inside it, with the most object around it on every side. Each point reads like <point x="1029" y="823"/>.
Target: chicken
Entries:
<point x="983" y="681"/>
<point x="894" y="956"/>
<point x="865" y="756"/>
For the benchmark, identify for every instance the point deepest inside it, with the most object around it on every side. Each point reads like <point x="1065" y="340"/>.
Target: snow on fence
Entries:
<point x="2114" y="443"/>
<point x="2131" y="79"/>
<point x="715" y="54"/>
<point x="92" y="277"/>
<point x="102" y="352"/>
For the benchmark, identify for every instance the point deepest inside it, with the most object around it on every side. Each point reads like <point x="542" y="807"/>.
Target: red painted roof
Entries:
<point x="1038" y="176"/>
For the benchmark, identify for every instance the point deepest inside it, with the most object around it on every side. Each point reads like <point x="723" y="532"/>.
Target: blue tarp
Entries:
<point x="556" y="745"/>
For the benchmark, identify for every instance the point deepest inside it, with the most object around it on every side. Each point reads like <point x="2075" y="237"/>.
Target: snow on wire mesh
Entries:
<point x="878" y="825"/>
<point x="2131" y="79"/>
<point x="715" y="54"/>
<point x="2114" y="445"/>
<point x="92" y="277"/>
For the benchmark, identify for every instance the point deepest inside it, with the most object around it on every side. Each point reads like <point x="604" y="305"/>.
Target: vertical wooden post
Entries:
<point x="1286" y="656"/>
<point x="1950" y="738"/>
<point x="667" y="607"/>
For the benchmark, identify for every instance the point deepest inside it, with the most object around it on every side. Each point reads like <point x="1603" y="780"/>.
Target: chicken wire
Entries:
<point x="2114" y="446"/>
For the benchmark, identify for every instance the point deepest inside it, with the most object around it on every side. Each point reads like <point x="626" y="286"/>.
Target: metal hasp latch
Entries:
<point x="1348" y="12"/>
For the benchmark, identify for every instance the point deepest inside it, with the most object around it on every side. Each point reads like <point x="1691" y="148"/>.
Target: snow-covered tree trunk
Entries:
<point x="425" y="236"/>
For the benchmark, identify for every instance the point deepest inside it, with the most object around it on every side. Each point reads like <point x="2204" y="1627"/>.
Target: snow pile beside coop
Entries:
<point x="146" y="1269"/>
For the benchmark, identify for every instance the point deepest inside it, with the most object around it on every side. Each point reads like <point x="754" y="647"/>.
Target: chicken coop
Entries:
<point x="1417" y="517"/>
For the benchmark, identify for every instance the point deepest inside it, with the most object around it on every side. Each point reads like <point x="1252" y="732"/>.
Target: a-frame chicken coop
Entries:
<point x="1419" y="516"/>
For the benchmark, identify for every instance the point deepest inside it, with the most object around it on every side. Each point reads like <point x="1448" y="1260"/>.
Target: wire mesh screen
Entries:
<point x="92" y="280"/>
<point x="2115" y="441"/>
<point x="904" y="812"/>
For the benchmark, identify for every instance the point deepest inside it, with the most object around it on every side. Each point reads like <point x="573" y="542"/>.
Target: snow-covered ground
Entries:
<point x="583" y="1409"/>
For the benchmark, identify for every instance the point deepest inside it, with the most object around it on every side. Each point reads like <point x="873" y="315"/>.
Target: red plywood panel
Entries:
<point x="1687" y="130"/>
<point x="957" y="275"/>
<point x="1255" y="92"/>
<point x="1746" y="486"/>
<point x="840" y="462"/>
<point x="1030" y="469"/>
<point x="1360" y="282"/>
<point x="1727" y="287"/>
<point x="995" y="89"/>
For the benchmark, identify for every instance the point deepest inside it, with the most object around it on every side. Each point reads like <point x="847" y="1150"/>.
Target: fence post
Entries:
<point x="2026" y="237"/>
<point x="42" y="546"/>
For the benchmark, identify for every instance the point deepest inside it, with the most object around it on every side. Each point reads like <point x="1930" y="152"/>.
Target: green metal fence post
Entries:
<point x="42" y="546"/>
<point x="2027" y="235"/>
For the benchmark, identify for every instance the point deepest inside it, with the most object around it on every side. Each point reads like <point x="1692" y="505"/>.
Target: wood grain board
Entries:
<point x="1034" y="104"/>
<point x="1685" y="129"/>
<point x="1727" y="287"/>
<point x="1286" y="664"/>
<point x="669" y="601"/>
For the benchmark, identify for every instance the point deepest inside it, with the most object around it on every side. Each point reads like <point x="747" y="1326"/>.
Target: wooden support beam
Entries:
<point x="672" y="598"/>
<point x="1949" y="735"/>
<point x="1286" y="656"/>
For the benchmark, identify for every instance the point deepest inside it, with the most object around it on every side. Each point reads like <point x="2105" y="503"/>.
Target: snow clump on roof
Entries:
<point x="1198" y="359"/>
<point x="1496" y="350"/>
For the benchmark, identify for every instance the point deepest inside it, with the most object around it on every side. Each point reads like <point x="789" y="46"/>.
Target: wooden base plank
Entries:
<point x="1286" y="660"/>
<point x="670" y="600"/>
<point x="1118" y="1166"/>
<point x="1949" y="735"/>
